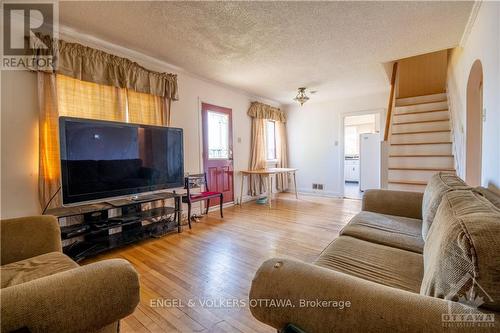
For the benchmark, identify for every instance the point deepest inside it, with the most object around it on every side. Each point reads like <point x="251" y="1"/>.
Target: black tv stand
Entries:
<point x="88" y="230"/>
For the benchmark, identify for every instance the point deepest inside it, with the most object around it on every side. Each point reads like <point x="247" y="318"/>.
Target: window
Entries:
<point x="351" y="140"/>
<point x="270" y="140"/>
<point x="218" y="127"/>
<point x="83" y="99"/>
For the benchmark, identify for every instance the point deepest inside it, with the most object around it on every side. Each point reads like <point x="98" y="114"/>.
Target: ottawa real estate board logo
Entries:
<point x="23" y="26"/>
<point x="472" y="298"/>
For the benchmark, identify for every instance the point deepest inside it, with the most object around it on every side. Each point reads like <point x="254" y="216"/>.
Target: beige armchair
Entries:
<point x="43" y="290"/>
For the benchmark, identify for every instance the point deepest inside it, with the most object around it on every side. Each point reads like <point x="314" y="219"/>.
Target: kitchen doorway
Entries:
<point x="361" y="154"/>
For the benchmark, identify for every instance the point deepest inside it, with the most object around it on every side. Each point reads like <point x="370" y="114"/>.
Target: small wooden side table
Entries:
<point x="268" y="173"/>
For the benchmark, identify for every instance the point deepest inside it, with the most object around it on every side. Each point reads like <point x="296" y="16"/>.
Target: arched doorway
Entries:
<point x="474" y="125"/>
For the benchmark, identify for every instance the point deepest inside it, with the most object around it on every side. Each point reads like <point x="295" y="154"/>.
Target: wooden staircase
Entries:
<point x="419" y="141"/>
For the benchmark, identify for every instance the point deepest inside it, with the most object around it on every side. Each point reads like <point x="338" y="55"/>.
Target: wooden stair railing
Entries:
<point x="384" y="146"/>
<point x="391" y="101"/>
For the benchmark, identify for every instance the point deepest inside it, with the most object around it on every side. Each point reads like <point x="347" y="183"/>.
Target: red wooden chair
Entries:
<point x="199" y="181"/>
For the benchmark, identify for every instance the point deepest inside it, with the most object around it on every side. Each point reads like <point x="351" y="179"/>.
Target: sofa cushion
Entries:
<point x="374" y="262"/>
<point x="461" y="254"/>
<point x="34" y="268"/>
<point x="490" y="195"/>
<point x="438" y="185"/>
<point x="396" y="231"/>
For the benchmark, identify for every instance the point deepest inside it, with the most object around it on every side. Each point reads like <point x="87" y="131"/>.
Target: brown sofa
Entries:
<point x="43" y="290"/>
<point x="409" y="262"/>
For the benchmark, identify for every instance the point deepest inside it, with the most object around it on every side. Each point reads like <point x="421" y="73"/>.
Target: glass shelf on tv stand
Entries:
<point x="142" y="199"/>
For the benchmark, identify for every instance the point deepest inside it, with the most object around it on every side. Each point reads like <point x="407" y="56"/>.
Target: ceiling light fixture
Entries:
<point x="301" y="97"/>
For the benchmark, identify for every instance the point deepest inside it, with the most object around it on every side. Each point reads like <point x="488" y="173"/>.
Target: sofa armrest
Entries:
<point x="83" y="299"/>
<point x="399" y="203"/>
<point x="26" y="237"/>
<point x="373" y="307"/>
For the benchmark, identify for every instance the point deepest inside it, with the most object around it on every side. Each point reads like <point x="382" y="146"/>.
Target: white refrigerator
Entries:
<point x="369" y="161"/>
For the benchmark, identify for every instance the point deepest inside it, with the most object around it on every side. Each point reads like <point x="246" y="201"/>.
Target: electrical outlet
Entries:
<point x="315" y="186"/>
<point x="320" y="186"/>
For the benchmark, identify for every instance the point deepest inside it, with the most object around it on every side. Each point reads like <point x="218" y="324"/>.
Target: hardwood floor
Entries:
<point x="216" y="260"/>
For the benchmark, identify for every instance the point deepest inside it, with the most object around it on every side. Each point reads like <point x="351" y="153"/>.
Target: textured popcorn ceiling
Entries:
<point x="271" y="48"/>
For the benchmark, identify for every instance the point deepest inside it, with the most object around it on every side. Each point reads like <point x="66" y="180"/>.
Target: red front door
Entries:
<point x="218" y="150"/>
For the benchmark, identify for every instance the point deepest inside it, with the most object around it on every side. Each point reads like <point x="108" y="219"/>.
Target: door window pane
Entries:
<point x="218" y="132"/>
<point x="271" y="140"/>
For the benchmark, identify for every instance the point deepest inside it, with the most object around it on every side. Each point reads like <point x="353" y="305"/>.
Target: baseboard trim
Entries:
<point x="326" y="194"/>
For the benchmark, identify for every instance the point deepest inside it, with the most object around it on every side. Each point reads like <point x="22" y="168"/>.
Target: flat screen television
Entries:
<point x="103" y="159"/>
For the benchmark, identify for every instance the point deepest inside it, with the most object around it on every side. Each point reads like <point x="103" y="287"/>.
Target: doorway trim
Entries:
<point x="201" y="164"/>
<point x="381" y="112"/>
<point x="474" y="125"/>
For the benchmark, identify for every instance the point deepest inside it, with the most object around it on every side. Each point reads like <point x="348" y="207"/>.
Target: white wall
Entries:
<point x="19" y="146"/>
<point x="482" y="43"/>
<point x="19" y="154"/>
<point x="187" y="115"/>
<point x="314" y="136"/>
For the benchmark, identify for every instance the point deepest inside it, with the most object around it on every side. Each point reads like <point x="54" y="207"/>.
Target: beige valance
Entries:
<point x="92" y="65"/>
<point x="264" y="111"/>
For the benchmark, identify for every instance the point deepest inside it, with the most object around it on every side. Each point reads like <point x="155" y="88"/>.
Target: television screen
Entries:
<point x="102" y="159"/>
